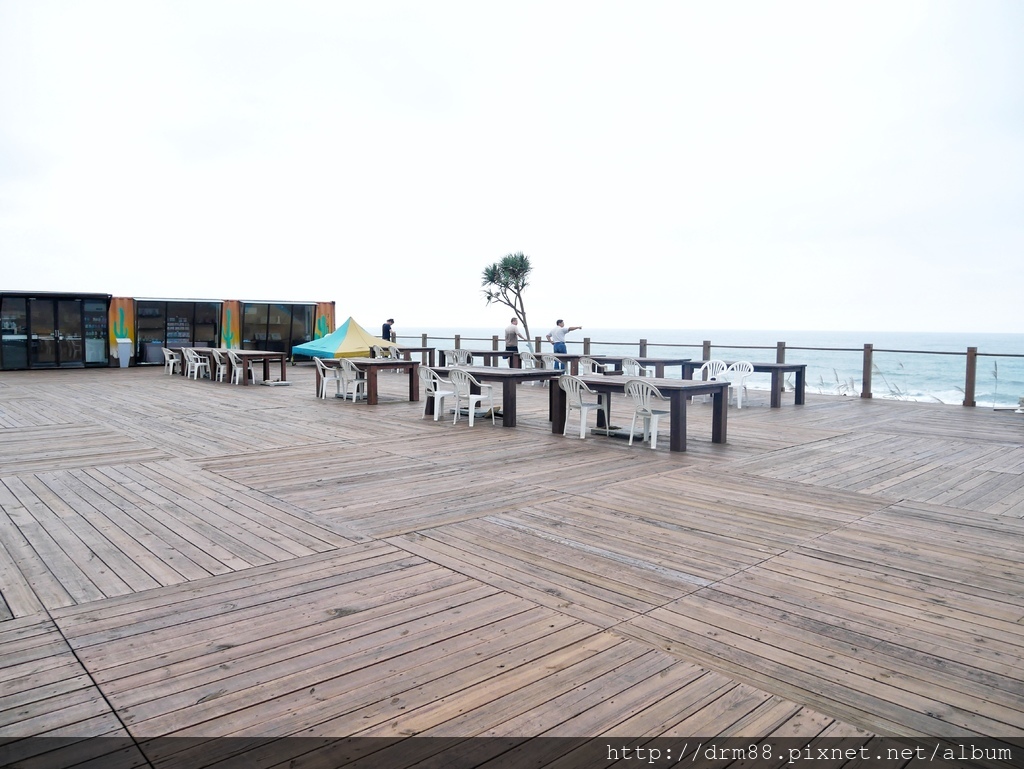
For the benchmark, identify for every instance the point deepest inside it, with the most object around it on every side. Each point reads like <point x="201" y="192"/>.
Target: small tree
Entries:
<point x="505" y="281"/>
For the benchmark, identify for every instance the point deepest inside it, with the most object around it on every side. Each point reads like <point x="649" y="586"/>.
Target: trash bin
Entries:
<point x="124" y="351"/>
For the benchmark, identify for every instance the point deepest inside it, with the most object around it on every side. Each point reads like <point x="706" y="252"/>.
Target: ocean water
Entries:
<point x="906" y="366"/>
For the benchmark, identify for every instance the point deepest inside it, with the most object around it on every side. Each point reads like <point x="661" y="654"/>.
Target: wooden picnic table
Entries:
<point x="370" y="367"/>
<point x="659" y="364"/>
<point x="677" y="391"/>
<point x="253" y="356"/>
<point x="510" y="378"/>
<point x="776" y="370"/>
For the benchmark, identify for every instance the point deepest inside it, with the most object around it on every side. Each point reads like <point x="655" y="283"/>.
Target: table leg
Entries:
<point x="776" y="389"/>
<point x="508" y="403"/>
<point x="659" y="370"/>
<point x="284" y="368"/>
<point x="371" y="386"/>
<point x="677" y="420"/>
<point x="557" y="405"/>
<point x="719" y="415"/>
<point x="414" y="383"/>
<point x="801" y="375"/>
<point x="607" y="398"/>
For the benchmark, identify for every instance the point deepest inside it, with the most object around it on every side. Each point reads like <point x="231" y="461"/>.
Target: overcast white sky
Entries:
<point x="784" y="165"/>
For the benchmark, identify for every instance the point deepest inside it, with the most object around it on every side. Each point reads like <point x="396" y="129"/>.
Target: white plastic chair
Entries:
<point x="550" y="362"/>
<point x="737" y="374"/>
<point x="574" y="399"/>
<point x="172" y="361"/>
<point x="221" y="364"/>
<point x="711" y="371"/>
<point x="239" y="368"/>
<point x="186" y="361"/>
<point x="633" y="367"/>
<point x="437" y="387"/>
<point x="587" y="365"/>
<point x="643" y="395"/>
<point x="195" y="364"/>
<point x="458" y="357"/>
<point x="328" y="374"/>
<point x="528" y="360"/>
<point x="382" y="351"/>
<point x="463" y="383"/>
<point x="394" y="354"/>
<point x="351" y="377"/>
<point x="387" y="353"/>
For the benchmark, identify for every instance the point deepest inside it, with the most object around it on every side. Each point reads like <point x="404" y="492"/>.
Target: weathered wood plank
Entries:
<point x="225" y="561"/>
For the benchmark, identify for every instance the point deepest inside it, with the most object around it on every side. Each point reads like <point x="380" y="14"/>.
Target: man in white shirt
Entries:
<point x="557" y="337"/>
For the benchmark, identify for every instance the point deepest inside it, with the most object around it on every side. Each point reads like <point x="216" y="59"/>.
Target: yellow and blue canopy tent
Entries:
<point x="349" y="340"/>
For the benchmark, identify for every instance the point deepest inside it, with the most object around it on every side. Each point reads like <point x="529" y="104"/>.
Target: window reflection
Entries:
<point x="207" y="324"/>
<point x="14" y="332"/>
<point x="276" y="327"/>
<point x="302" y="324"/>
<point x="150" y="330"/>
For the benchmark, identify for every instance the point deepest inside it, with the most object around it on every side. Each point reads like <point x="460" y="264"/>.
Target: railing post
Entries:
<point x="780" y="352"/>
<point x="536" y="344"/>
<point x="494" y="342"/>
<point x="865" y="389"/>
<point x="586" y="345"/>
<point x="972" y="372"/>
<point x="458" y="341"/>
<point x="706" y="351"/>
<point x="423" y="341"/>
<point x="643" y="348"/>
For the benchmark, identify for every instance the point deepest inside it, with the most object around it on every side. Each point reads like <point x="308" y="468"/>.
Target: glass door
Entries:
<point x="55" y="332"/>
<point x="42" y="322"/>
<point x="71" y="351"/>
<point x="151" y="329"/>
<point x="14" y="324"/>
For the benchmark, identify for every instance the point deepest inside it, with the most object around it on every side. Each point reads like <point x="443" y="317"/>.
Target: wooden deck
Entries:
<point x="190" y="559"/>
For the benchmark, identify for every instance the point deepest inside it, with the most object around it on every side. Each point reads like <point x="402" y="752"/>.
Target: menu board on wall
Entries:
<point x="94" y="318"/>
